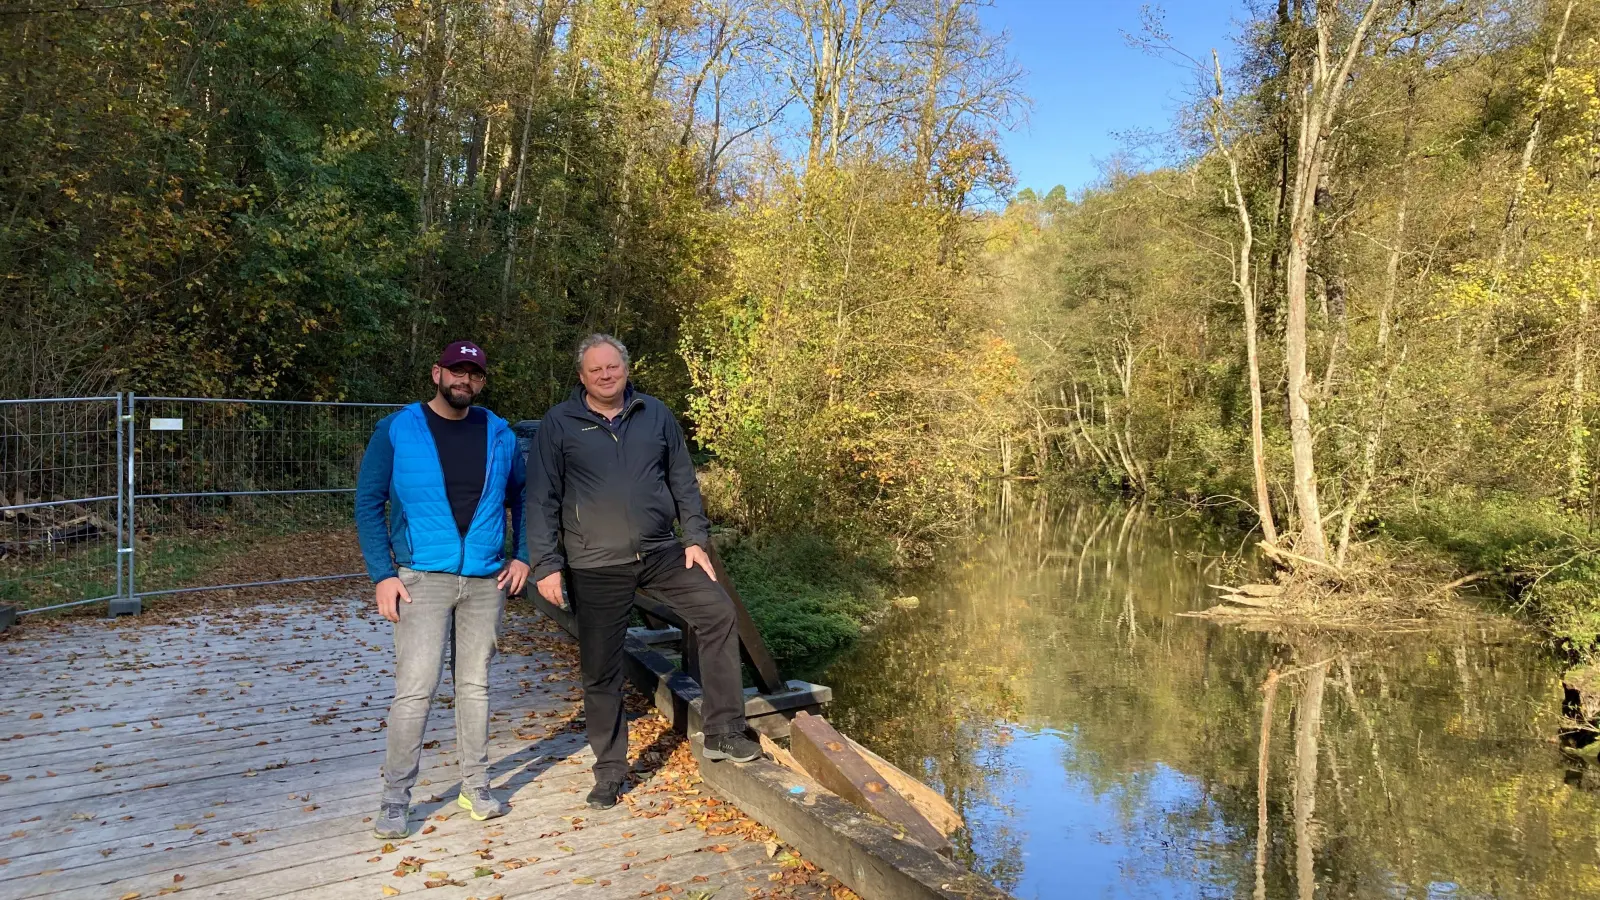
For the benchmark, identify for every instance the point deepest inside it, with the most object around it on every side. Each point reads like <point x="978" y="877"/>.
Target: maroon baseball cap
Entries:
<point x="463" y="352"/>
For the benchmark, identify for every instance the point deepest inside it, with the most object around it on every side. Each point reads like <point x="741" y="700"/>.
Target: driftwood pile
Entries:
<point x="1243" y="601"/>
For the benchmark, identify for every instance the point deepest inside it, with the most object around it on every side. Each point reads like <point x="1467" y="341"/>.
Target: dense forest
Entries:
<point x="769" y="200"/>
<point x="1350" y="304"/>
<point x="1360" y="305"/>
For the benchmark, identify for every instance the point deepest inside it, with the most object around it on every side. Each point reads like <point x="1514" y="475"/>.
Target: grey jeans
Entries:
<point x="419" y="639"/>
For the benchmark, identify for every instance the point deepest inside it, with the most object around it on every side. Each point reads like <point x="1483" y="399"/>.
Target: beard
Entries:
<point x="460" y="397"/>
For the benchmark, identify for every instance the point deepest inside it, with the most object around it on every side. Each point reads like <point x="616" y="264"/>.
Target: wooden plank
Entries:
<point x="830" y="758"/>
<point x="839" y="838"/>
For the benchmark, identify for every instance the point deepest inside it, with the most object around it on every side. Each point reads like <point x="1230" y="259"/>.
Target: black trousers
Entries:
<point x="603" y="601"/>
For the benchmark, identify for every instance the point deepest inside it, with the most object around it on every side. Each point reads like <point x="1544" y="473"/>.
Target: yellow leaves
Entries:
<point x="390" y="891"/>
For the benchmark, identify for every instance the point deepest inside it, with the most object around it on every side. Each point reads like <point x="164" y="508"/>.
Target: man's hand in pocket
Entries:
<point x="391" y="591"/>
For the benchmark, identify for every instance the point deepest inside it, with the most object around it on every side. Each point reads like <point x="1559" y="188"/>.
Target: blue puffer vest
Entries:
<point x="422" y="529"/>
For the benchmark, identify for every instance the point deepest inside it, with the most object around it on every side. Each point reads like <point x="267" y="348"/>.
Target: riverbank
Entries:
<point x="1539" y="562"/>
<point x="1506" y="555"/>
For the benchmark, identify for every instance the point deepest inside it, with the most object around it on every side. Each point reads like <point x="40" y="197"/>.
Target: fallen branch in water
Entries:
<point x="1459" y="582"/>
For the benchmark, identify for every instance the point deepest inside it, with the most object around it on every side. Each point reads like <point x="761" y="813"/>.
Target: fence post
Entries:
<point x="126" y="603"/>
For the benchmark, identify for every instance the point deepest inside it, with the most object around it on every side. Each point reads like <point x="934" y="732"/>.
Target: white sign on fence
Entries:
<point x="166" y="424"/>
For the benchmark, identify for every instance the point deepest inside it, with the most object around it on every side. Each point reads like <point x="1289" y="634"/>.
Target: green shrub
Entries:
<point x="809" y="599"/>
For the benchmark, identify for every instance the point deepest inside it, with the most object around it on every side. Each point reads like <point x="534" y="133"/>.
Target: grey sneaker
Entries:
<point x="480" y="804"/>
<point x="735" y="746"/>
<point x="391" y="822"/>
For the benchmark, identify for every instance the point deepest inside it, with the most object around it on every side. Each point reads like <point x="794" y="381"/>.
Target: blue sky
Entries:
<point x="1088" y="85"/>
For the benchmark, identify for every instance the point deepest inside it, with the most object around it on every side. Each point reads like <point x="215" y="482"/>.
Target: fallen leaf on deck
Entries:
<point x="583" y="880"/>
<point x="430" y="829"/>
<point x="389" y="891"/>
<point x="719" y="848"/>
<point x="482" y="872"/>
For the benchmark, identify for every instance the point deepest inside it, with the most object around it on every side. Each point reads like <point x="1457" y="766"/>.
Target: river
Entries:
<point x="1099" y="745"/>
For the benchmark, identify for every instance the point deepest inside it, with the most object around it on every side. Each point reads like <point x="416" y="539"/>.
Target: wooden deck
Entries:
<point x="236" y="754"/>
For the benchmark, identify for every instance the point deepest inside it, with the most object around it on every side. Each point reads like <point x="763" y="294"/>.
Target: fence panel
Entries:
<point x="241" y="493"/>
<point x="61" y="502"/>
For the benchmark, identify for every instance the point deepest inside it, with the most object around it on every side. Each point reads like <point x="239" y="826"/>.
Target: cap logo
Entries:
<point x="470" y="351"/>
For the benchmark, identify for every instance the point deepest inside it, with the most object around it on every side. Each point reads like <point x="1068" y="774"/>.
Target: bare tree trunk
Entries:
<point x="1269" y="690"/>
<point x="1577" y="453"/>
<point x="548" y="18"/>
<point x="1532" y="145"/>
<point x="1318" y="107"/>
<point x="1308" y="732"/>
<point x="1243" y="281"/>
<point x="1386" y="313"/>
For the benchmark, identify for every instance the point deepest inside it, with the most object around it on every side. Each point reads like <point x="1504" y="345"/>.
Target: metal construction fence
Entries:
<point x="120" y="498"/>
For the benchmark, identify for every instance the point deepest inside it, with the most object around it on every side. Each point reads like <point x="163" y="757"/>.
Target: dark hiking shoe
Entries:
<point x="391" y="822"/>
<point x="605" y="794"/>
<point x="736" y="747"/>
<point x="480" y="804"/>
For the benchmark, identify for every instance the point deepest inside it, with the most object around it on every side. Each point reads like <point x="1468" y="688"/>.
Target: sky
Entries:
<point x="1088" y="85"/>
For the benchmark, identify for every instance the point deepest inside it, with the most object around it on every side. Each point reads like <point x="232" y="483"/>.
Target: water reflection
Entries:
<point x="1100" y="745"/>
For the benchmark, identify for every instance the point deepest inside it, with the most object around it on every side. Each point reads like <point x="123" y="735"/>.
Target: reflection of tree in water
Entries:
<point x="1392" y="762"/>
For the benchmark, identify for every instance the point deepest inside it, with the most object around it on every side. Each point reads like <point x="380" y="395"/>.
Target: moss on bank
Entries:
<point x="809" y="598"/>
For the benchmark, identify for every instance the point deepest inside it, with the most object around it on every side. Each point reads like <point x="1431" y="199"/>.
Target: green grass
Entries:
<point x="809" y="599"/>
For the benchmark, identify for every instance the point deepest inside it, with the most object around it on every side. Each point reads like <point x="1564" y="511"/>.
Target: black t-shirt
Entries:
<point x="463" y="452"/>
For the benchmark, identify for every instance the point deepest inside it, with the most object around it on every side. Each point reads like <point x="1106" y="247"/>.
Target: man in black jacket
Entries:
<point x="608" y="475"/>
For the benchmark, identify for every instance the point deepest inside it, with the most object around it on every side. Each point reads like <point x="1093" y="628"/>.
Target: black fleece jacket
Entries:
<point x="603" y="497"/>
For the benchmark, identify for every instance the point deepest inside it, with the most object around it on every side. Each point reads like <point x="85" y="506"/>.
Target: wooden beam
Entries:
<point x="751" y="646"/>
<point x="677" y="695"/>
<point x="831" y="759"/>
<point x="869" y="857"/>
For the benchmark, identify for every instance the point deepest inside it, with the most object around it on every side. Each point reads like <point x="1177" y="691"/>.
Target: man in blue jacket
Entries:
<point x="447" y="472"/>
<point x="611" y="474"/>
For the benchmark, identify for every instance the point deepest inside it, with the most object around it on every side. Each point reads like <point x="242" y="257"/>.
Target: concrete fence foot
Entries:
<point x="124" y="606"/>
<point x="8" y="617"/>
